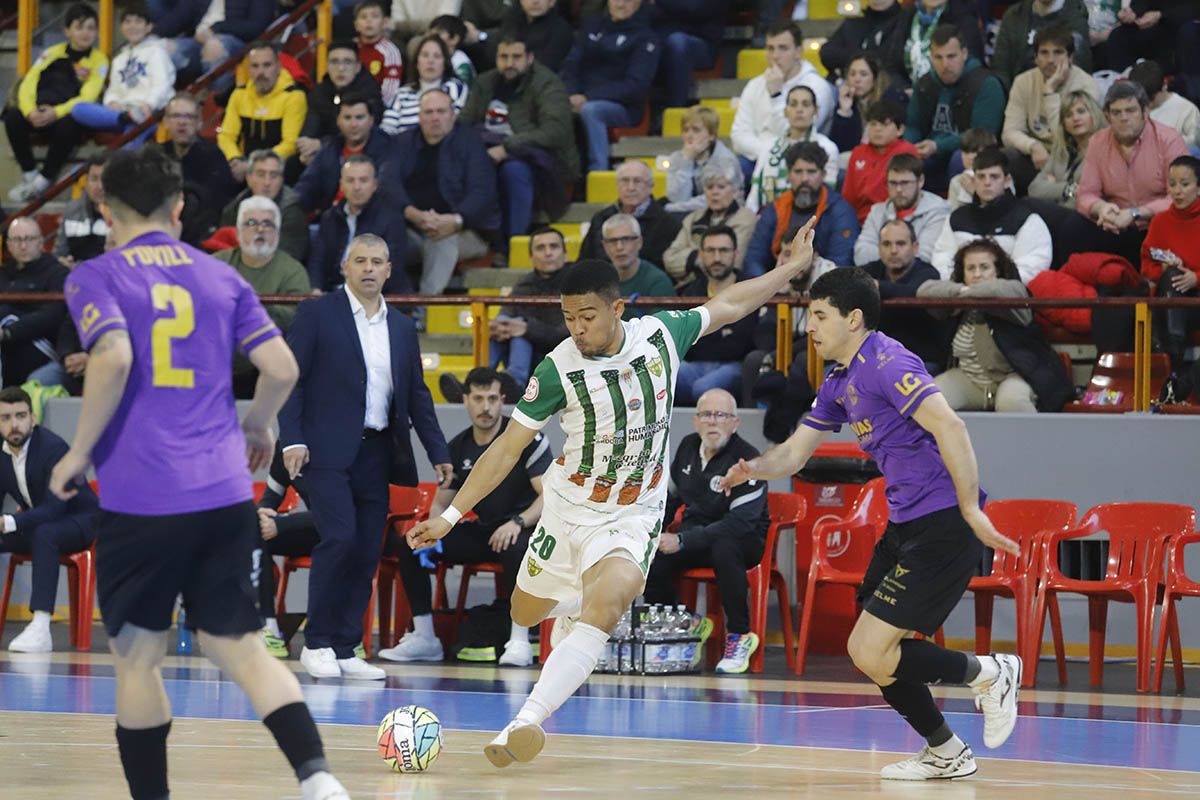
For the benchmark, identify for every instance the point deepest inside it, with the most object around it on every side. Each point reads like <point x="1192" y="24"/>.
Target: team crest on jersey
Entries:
<point x="715" y="483"/>
<point x="531" y="390"/>
<point x="655" y="365"/>
<point x="375" y="67"/>
<point x="533" y="568"/>
<point x="635" y="404"/>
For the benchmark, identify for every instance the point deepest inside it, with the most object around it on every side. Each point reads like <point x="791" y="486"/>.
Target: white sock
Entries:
<point x="949" y="748"/>
<point x="568" y="666"/>
<point x="423" y="626"/>
<point x="518" y="633"/>
<point x="41" y="619"/>
<point x="271" y="626"/>
<point x="989" y="670"/>
<point x="568" y="608"/>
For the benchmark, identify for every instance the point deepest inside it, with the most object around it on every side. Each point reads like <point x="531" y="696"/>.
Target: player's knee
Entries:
<point x="867" y="657"/>
<point x="526" y="617"/>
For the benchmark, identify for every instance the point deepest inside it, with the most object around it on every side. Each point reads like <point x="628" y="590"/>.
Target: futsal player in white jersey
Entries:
<point x="613" y="383"/>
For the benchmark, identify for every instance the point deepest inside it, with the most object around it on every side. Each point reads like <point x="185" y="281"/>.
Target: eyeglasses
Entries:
<point x="714" y="416"/>
<point x="264" y="224"/>
<point x="23" y="239"/>
<point x="621" y="240"/>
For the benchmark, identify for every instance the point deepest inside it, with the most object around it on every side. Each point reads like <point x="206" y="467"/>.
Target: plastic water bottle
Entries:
<point x="620" y="652"/>
<point x="183" y="644"/>
<point x="659" y="659"/>
<point x="681" y="659"/>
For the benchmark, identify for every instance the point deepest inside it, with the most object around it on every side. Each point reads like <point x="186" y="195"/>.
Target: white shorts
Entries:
<point x="560" y="551"/>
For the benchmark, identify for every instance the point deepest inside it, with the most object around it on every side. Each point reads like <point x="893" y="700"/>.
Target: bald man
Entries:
<point x="726" y="533"/>
<point x="28" y="331"/>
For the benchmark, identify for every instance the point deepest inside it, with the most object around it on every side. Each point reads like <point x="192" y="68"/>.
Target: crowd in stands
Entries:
<point x="942" y="167"/>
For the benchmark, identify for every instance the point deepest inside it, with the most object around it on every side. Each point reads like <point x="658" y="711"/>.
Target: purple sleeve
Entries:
<point x="904" y="382"/>
<point x="94" y="308"/>
<point x="252" y="326"/>
<point x="826" y="413"/>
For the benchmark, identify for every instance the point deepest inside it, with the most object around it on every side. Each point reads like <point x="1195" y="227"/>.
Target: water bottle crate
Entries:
<point x="633" y="661"/>
<point x="653" y="640"/>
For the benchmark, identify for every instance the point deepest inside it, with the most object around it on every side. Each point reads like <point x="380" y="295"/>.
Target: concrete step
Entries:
<point x="446" y="343"/>
<point x="719" y="88"/>
<point x="582" y="212"/>
<point x="650" y="146"/>
<point x="497" y="279"/>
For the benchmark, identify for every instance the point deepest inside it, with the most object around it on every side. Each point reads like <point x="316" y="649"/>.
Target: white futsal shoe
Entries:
<point x="34" y="639"/>
<point x="929" y="766"/>
<point x="998" y="700"/>
<point x="320" y="662"/>
<point x="323" y="786"/>
<point x="517" y="653"/>
<point x="519" y="741"/>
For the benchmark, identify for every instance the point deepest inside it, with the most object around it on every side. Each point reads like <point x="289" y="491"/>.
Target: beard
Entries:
<point x="805" y="197"/>
<point x="258" y="251"/>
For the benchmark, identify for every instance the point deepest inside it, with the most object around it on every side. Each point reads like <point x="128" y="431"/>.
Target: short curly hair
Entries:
<point x="1006" y="268"/>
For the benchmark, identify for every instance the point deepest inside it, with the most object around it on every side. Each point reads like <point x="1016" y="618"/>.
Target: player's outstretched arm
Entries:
<point x="745" y="297"/>
<point x="109" y="363"/>
<point x="491" y="468"/>
<point x="780" y="461"/>
<point x="935" y="415"/>
<point x="277" y="374"/>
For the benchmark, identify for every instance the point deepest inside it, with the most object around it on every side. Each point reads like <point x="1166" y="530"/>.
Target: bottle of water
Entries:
<point x="659" y="659"/>
<point x="681" y="659"/>
<point x="183" y="644"/>
<point x="621" y="652"/>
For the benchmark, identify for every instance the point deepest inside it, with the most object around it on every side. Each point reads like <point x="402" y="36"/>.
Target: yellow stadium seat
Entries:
<point x="448" y="319"/>
<point x="823" y="9"/>
<point x="812" y="54"/>
<point x="518" y="249"/>
<point x="672" y="124"/>
<point x="751" y="64"/>
<point x="717" y="102"/>
<point x="602" y="186"/>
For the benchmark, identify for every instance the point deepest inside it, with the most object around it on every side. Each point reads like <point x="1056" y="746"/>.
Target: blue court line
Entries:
<point x="1147" y="745"/>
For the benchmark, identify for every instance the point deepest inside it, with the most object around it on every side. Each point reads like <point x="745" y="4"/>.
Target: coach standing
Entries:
<point x="360" y="375"/>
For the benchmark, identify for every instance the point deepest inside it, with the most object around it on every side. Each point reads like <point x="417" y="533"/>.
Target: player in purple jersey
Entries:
<point x="933" y="543"/>
<point x="160" y="321"/>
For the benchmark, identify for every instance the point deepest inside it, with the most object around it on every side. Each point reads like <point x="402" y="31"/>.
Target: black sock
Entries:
<point x="144" y="757"/>
<point x="922" y="661"/>
<point x="296" y="733"/>
<point x="973" y="668"/>
<point x="914" y="702"/>
<point x="940" y="736"/>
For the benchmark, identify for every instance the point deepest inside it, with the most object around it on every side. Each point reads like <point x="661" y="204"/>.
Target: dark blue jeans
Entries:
<point x="516" y="198"/>
<point x="682" y="55"/>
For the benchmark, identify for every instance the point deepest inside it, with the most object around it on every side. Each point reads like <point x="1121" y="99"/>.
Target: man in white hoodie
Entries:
<point x="759" y="120"/>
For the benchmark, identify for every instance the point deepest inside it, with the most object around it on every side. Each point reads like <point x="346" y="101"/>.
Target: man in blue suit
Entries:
<point x="48" y="526"/>
<point x="360" y="382"/>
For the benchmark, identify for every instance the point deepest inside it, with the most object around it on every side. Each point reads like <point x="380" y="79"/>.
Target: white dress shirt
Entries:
<point x="377" y="353"/>
<point x="18" y="461"/>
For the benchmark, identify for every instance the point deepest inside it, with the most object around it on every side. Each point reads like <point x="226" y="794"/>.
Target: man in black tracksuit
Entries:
<point x="726" y="533"/>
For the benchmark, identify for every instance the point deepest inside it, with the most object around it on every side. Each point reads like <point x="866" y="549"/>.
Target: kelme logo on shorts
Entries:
<point x="532" y="568"/>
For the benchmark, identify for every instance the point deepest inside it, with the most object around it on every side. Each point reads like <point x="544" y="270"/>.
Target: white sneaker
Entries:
<point x="320" y="663"/>
<point x="517" y="653"/>
<point x="519" y="741"/>
<point x="355" y="667"/>
<point x="998" y="700"/>
<point x="415" y="647"/>
<point x="32" y="184"/>
<point x="34" y="639"/>
<point x="562" y="628"/>
<point x="322" y="786"/>
<point x="928" y="766"/>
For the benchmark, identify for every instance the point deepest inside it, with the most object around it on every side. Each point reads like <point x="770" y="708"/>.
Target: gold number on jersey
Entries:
<point x="180" y="326"/>
<point x="908" y="384"/>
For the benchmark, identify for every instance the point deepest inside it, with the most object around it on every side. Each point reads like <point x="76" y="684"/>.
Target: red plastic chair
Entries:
<point x="1026" y="521"/>
<point x="394" y="612"/>
<point x="1178" y="585"/>
<point x="786" y="511"/>
<point x="640" y="129"/>
<point x="1110" y="389"/>
<point x="862" y="528"/>
<point x="1137" y="534"/>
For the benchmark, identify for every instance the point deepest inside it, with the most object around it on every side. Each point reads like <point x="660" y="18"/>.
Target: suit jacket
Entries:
<point x="326" y="409"/>
<point x="46" y="448"/>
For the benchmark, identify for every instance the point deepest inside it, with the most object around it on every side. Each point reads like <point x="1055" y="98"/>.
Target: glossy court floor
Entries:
<point x="683" y="737"/>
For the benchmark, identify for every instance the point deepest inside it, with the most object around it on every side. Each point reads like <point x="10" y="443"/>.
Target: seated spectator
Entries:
<point x="1166" y="107"/>
<point x="268" y="269"/>
<point x="207" y="181"/>
<point x="770" y="175"/>
<point x="701" y="146"/>
<point x="907" y="200"/>
<point x="715" y="360"/>
<point x="1034" y="106"/>
<point x="363" y="209"/>
<point x="46" y="527"/>
<point x="836" y="229"/>
<point x="143" y="79"/>
<point x="760" y="119"/>
<point x="317" y="188"/>
<point x="608" y="72"/>
<point x="207" y="33"/>
<point x="1025" y="22"/>
<point x="997" y="214"/>
<point x="445" y="184"/>
<point x="345" y="78"/>
<point x="66" y="74"/>
<point x="908" y="56"/>
<point x="69" y="363"/>
<point x="1102" y="21"/>
<point x="412" y="18"/>
<point x="866" y="176"/>
<point x="622" y="237"/>
<point x="1171" y="261"/>
<point x="546" y="33"/>
<point x="723" y="531"/>
<point x="962" y="186"/>
<point x="264" y="178"/>
<point x="1124" y="180"/>
<point x="433" y="71"/>
<point x="83" y="230"/>
<point x="690" y="32"/>
<point x="859" y="36"/>
<point x="453" y="31"/>
<point x="28" y="330"/>
<point x="480" y="22"/>
<point x="1079" y="117"/>
<point x="268" y="113"/>
<point x="865" y="84"/>
<point x="376" y="52"/>
<point x="635" y="181"/>
<point x="1150" y="29"/>
<point x="505" y="520"/>
<point x="722" y="184"/>
<point x="1002" y="363"/>
<point x="900" y="271"/>
<point x="525" y="120"/>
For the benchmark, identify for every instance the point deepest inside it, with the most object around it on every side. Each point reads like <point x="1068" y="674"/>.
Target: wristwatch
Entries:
<point x="1135" y="213"/>
<point x="517" y="519"/>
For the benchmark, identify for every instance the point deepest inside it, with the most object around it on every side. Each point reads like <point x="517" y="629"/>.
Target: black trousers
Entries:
<point x="350" y="508"/>
<point x="298" y="542"/>
<point x="64" y="134"/>
<point x="1175" y="325"/>
<point x="729" y="557"/>
<point x="1085" y="236"/>
<point x="46" y="542"/>
<point x="466" y="544"/>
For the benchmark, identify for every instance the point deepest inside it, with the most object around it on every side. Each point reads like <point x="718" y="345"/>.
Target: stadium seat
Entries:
<point x="640" y="129"/>
<point x="672" y="123"/>
<point x="786" y="511"/>
<point x="1110" y="390"/>
<point x="48" y="223"/>
<point x="404" y="512"/>
<point x="712" y="73"/>
<point x="1178" y="586"/>
<point x="751" y="63"/>
<point x="1137" y="535"/>
<point x="81" y="586"/>
<point x="602" y="186"/>
<point x="855" y="536"/>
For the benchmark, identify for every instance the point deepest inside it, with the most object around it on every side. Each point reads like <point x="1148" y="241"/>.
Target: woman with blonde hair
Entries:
<point x="1079" y="117"/>
<point x="700" y="128"/>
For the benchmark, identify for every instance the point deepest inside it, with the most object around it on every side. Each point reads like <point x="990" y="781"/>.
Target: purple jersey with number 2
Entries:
<point x="174" y="445"/>
<point x="877" y="394"/>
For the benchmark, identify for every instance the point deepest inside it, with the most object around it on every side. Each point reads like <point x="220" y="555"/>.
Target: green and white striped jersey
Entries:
<point x="616" y="411"/>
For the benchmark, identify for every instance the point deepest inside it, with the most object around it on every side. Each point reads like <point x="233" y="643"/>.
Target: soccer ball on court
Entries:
<point x="410" y="739"/>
